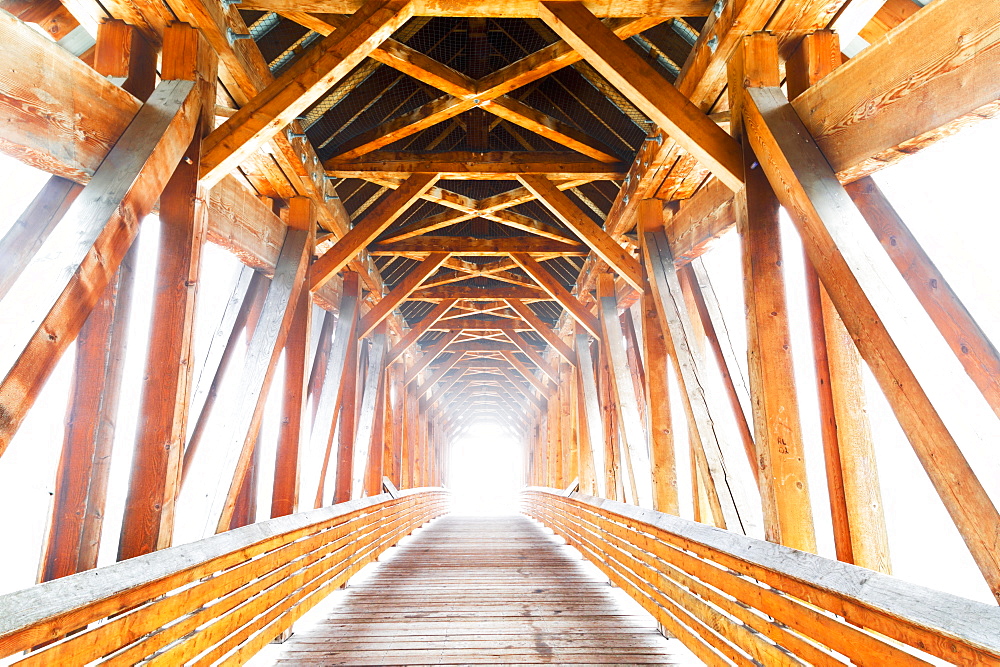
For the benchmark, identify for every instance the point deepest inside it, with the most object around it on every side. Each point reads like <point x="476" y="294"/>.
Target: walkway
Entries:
<point x="482" y="590"/>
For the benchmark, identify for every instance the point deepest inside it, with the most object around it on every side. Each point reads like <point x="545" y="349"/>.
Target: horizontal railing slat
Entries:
<point x="209" y="591"/>
<point x="625" y="536"/>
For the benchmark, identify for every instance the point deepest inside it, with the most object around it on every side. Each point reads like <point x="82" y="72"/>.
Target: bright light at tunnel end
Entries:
<point x="487" y="470"/>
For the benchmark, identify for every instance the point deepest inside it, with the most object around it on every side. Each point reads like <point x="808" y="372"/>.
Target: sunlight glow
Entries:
<point x="486" y="470"/>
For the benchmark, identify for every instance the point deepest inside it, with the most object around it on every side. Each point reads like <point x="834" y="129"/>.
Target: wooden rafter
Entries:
<point x="277" y="105"/>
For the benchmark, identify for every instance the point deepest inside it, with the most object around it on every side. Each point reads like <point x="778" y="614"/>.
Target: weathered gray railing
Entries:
<point x="215" y="601"/>
<point x="736" y="600"/>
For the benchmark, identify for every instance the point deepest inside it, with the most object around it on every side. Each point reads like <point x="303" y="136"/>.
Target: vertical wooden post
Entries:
<point x="368" y="457"/>
<point x="783" y="484"/>
<point x="162" y="430"/>
<point x="707" y="304"/>
<point x="626" y="401"/>
<point x="317" y="374"/>
<point x="554" y="441"/>
<point x="591" y="429"/>
<point x="859" y="529"/>
<point x="612" y="451"/>
<point x="376" y="463"/>
<point x="406" y="456"/>
<point x="348" y="422"/>
<point x="85" y="462"/>
<point x="393" y="425"/>
<point x="658" y="417"/>
<point x="336" y="378"/>
<point x="567" y="420"/>
<point x="285" y="492"/>
<point x="245" y="507"/>
<point x="685" y="349"/>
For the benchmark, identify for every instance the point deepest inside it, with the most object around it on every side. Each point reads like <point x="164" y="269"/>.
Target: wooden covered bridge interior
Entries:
<point x="450" y="212"/>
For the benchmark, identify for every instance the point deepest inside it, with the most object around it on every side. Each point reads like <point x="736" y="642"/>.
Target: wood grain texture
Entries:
<point x="675" y="321"/>
<point x="513" y="8"/>
<point x="933" y="398"/>
<point x="780" y="457"/>
<point x="284" y="98"/>
<point x="660" y="101"/>
<point x="924" y="80"/>
<point x="874" y="611"/>
<point x="258" y="369"/>
<point x="45" y="308"/>
<point x="481" y="590"/>
<point x="627" y="402"/>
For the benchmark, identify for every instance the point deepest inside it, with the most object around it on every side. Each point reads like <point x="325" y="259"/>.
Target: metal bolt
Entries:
<point x="296" y="135"/>
<point x="230" y="3"/>
<point x="717" y="7"/>
<point x="713" y="43"/>
<point x="234" y="36"/>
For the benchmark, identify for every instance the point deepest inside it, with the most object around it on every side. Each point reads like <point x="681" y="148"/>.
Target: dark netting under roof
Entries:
<point x="395" y="269"/>
<point x="393" y="94"/>
<point x="477" y="48"/>
<point x="279" y="38"/>
<point x="478" y="189"/>
<point x="483" y="229"/>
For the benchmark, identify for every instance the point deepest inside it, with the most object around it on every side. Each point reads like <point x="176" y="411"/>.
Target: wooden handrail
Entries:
<point x="216" y="600"/>
<point x="735" y="599"/>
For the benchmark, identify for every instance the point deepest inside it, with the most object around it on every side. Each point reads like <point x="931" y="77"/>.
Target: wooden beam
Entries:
<point x="206" y="394"/>
<point x="45" y="308"/>
<point x="550" y="336"/>
<point x="471" y="247"/>
<point x="512" y="376"/>
<point x="554" y="130"/>
<point x="529" y="351"/>
<point x="368" y="418"/>
<point x="338" y="380"/>
<point x="954" y="48"/>
<point x="676" y="322"/>
<point x="592" y="430"/>
<point x="32" y="227"/>
<point x="935" y="402"/>
<point x="779" y="448"/>
<point x="558" y="292"/>
<point x="636" y="78"/>
<point x="417" y="330"/>
<point x="261" y="358"/>
<point x="524" y="370"/>
<point x="400" y="292"/>
<point x="162" y="432"/>
<point x="471" y="293"/>
<point x="661" y="437"/>
<point x="511" y="9"/>
<point x="438" y="374"/>
<point x="80" y="495"/>
<point x="627" y="403"/>
<point x="468" y="324"/>
<point x="377" y="220"/>
<point x="516" y="75"/>
<point x="965" y="337"/>
<point x="589" y="231"/>
<point x="428" y="225"/>
<point x="714" y="324"/>
<point x="288" y="457"/>
<point x="497" y="166"/>
<point x="859" y="529"/>
<point x="68" y="126"/>
<point x="304" y="82"/>
<point x="428" y="356"/>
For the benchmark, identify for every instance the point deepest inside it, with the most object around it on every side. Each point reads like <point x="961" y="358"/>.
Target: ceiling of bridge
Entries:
<point x="393" y="110"/>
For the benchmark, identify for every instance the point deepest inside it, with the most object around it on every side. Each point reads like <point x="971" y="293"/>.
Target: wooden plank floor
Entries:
<point x="482" y="590"/>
